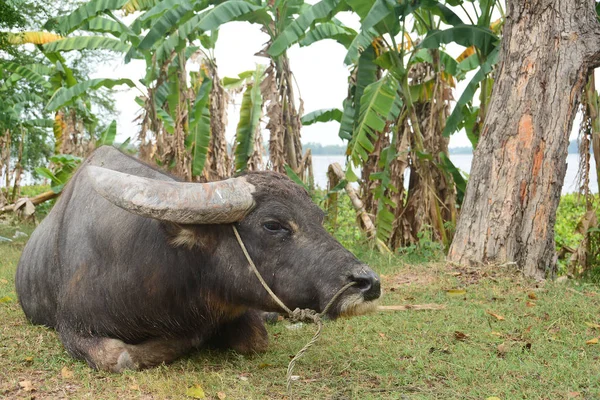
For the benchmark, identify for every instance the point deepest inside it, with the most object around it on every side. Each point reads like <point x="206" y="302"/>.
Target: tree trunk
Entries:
<point x="548" y="50"/>
<point x="367" y="224"/>
<point x="5" y="163"/>
<point x="592" y="113"/>
<point x="371" y="166"/>
<point x="18" y="171"/>
<point x="284" y="119"/>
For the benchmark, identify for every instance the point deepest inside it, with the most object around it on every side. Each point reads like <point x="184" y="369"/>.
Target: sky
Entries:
<point x="321" y="76"/>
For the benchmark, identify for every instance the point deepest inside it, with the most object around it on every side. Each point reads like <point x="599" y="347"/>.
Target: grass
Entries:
<point x="538" y="351"/>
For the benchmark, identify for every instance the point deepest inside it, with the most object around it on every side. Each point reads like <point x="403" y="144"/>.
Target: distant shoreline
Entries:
<point x="573" y="149"/>
<point x="317" y="149"/>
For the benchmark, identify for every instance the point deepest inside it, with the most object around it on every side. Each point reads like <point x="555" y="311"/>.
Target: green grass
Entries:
<point x="570" y="211"/>
<point x="538" y="351"/>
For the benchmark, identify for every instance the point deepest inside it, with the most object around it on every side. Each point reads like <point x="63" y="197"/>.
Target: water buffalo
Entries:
<point x="134" y="268"/>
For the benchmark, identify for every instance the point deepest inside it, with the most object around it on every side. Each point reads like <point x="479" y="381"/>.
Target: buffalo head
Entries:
<point x="279" y="224"/>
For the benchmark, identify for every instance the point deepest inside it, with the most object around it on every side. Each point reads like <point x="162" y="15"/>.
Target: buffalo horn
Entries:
<point x="180" y="202"/>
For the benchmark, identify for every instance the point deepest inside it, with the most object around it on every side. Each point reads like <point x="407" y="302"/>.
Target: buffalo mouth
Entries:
<point x="350" y="305"/>
<point x="354" y="305"/>
<point x="361" y="298"/>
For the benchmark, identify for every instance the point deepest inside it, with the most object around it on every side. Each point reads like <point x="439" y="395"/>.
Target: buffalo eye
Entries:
<point x="274" y="227"/>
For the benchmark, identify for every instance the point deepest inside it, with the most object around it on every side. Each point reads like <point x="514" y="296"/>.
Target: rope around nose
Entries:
<point x="298" y="315"/>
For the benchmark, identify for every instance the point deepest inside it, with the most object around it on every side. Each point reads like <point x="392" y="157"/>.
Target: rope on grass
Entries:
<point x="298" y="315"/>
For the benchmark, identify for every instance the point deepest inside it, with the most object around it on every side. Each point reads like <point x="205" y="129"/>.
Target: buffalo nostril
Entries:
<point x="368" y="283"/>
<point x="362" y="284"/>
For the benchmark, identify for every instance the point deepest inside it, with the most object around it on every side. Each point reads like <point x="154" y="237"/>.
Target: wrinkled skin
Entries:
<point x="129" y="292"/>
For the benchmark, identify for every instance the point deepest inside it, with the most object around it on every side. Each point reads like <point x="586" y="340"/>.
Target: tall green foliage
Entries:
<point x="396" y="105"/>
<point x="393" y="117"/>
<point x="198" y="139"/>
<point x="33" y="77"/>
<point x="250" y="114"/>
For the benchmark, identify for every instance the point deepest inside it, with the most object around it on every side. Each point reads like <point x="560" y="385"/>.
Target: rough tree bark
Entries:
<point x="508" y="215"/>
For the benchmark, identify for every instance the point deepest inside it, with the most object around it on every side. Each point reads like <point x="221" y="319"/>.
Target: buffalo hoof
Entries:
<point x="124" y="362"/>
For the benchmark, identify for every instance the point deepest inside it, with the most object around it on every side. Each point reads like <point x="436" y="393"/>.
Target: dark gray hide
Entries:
<point x="125" y="290"/>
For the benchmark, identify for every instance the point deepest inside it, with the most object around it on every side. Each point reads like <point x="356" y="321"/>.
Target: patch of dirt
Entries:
<point x="468" y="275"/>
<point x="408" y="278"/>
<point x="471" y="275"/>
<point x="23" y="386"/>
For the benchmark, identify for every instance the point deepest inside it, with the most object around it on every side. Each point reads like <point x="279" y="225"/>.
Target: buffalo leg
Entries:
<point x="115" y="355"/>
<point x="245" y="334"/>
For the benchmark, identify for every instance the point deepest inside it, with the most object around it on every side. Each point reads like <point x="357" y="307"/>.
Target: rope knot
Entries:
<point x="304" y="315"/>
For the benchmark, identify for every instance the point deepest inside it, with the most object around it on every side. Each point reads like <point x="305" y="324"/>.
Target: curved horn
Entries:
<point x="181" y="202"/>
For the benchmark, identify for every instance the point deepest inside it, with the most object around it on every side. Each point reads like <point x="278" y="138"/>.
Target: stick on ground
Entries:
<point x="414" y="307"/>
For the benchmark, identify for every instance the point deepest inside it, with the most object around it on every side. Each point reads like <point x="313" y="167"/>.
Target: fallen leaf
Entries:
<point x="28" y="360"/>
<point x="554" y="329"/>
<point x="497" y="316"/>
<point x="502" y="349"/>
<point x="460" y="336"/>
<point x="546" y="317"/>
<point x="27" y="386"/>
<point x="66" y="373"/>
<point x="530" y="304"/>
<point x="195" y="392"/>
<point x="591" y="325"/>
<point x="572" y="395"/>
<point x="532" y="295"/>
<point x="221" y="395"/>
<point x="493" y="398"/>
<point x="592" y="341"/>
<point x="3" y="281"/>
<point x="5" y="299"/>
<point x="495" y="333"/>
<point x="382" y="335"/>
<point x="264" y="365"/>
<point x="134" y="387"/>
<point x="456" y="292"/>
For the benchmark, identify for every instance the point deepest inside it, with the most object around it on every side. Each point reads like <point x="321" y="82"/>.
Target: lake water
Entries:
<point x="463" y="162"/>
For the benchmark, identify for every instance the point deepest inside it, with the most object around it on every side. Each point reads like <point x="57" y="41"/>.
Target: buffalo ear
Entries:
<point x="181" y="235"/>
<point x="191" y="236"/>
<point x="219" y="202"/>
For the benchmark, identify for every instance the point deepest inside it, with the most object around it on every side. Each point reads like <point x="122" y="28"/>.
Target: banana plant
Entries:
<point x="248" y="141"/>
<point x="197" y="141"/>
<point x="290" y="21"/>
<point x="45" y="88"/>
<point x="426" y="75"/>
<point x="396" y="116"/>
<point x="62" y="168"/>
<point x="187" y="121"/>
